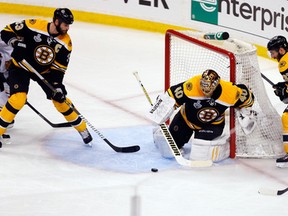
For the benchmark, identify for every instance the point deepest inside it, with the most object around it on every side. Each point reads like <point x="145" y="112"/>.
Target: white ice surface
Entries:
<point x="48" y="172"/>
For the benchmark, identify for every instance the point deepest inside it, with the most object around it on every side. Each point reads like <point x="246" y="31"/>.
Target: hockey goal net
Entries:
<point x="187" y="53"/>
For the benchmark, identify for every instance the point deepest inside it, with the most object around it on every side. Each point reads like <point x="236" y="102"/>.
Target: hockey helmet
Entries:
<point x="277" y="42"/>
<point x="64" y="15"/>
<point x="209" y="82"/>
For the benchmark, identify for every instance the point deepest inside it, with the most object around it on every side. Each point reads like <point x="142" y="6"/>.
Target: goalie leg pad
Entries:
<point x="161" y="144"/>
<point x="215" y="150"/>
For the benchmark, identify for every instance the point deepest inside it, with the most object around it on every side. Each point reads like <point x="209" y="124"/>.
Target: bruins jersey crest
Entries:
<point x="207" y="115"/>
<point x="44" y="55"/>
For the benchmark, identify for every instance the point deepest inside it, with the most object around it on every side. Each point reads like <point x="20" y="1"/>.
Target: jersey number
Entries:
<point x="244" y="95"/>
<point x="178" y="92"/>
<point x="19" y="26"/>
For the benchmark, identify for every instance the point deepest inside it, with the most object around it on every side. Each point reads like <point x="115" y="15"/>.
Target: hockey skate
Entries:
<point x="86" y="136"/>
<point x="11" y="125"/>
<point x="5" y="139"/>
<point x="282" y="162"/>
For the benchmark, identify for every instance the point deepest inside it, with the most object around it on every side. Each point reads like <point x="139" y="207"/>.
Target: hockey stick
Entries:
<point x="128" y="149"/>
<point x="271" y="192"/>
<point x="267" y="79"/>
<point x="54" y="125"/>
<point x="169" y="139"/>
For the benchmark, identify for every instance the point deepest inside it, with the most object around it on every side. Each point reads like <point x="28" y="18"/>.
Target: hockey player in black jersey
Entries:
<point x="278" y="48"/>
<point x="46" y="47"/>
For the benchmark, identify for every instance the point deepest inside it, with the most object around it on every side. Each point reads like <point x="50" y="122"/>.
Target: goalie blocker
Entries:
<point x="162" y="109"/>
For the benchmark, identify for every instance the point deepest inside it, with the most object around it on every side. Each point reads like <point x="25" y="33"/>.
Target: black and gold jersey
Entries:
<point x="44" y="52"/>
<point x="199" y="110"/>
<point x="283" y="67"/>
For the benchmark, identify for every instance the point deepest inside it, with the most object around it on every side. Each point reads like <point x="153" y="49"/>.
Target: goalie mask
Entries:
<point x="209" y="82"/>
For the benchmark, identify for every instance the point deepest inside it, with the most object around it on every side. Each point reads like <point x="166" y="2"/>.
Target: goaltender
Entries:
<point x="202" y="100"/>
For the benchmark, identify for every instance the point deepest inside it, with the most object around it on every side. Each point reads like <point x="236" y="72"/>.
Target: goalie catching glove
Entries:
<point x="281" y="91"/>
<point x="247" y="119"/>
<point x="162" y="109"/>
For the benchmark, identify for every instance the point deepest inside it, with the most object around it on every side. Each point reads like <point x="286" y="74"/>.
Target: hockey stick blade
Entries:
<point x="271" y="192"/>
<point x="54" y="125"/>
<point x="128" y="149"/>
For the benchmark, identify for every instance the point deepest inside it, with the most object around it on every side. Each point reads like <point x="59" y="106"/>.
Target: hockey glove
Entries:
<point x="162" y="109"/>
<point x="281" y="91"/>
<point x="19" y="50"/>
<point x="19" y="44"/>
<point x="247" y="119"/>
<point x="60" y="94"/>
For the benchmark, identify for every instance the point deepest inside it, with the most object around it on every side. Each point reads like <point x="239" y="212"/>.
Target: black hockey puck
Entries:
<point x="154" y="170"/>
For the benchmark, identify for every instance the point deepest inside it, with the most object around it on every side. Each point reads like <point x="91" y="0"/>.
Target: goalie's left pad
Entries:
<point x="162" y="109"/>
<point x="216" y="150"/>
<point x="247" y="119"/>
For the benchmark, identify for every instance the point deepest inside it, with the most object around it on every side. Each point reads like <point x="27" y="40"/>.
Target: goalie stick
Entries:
<point x="169" y="139"/>
<point x="128" y="149"/>
<point x="54" y="125"/>
<point x="271" y="192"/>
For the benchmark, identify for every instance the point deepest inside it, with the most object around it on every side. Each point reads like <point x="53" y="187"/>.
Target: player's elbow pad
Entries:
<point x="250" y="100"/>
<point x="246" y="98"/>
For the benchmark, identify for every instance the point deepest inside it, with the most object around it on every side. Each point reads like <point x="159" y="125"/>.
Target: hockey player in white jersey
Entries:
<point x="5" y="57"/>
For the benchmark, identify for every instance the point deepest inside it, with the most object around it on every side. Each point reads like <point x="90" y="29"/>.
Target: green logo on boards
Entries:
<point x="205" y="11"/>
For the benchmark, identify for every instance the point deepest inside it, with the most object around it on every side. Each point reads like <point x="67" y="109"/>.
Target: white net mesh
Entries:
<point x="186" y="59"/>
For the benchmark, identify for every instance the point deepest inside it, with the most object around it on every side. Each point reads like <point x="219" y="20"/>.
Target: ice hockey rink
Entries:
<point x="48" y="171"/>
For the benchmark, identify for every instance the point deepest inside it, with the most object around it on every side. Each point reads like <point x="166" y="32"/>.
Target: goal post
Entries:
<point x="187" y="53"/>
